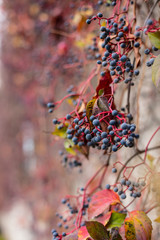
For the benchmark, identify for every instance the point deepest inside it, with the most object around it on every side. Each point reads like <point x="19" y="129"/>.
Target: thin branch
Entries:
<point x="134" y="155"/>
<point x="151" y="11"/>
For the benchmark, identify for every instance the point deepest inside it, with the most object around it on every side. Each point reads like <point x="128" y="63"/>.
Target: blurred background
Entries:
<point x="42" y="53"/>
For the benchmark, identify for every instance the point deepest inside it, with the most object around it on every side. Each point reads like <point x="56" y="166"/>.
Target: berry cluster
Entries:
<point x="121" y="187"/>
<point x="101" y="131"/>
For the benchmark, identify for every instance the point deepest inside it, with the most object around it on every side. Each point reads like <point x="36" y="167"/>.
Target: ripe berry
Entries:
<point x="123" y="196"/>
<point x="123" y="45"/>
<point x="123" y="58"/>
<point x="125" y="29"/>
<point x="115" y="189"/>
<point x="50" y="105"/>
<point x="100" y="15"/>
<point x="54" y="121"/>
<point x="88" y="136"/>
<point x="108" y="186"/>
<point x="115" y="55"/>
<point x="120" y="34"/>
<point x="102" y="29"/>
<point x="124" y="126"/>
<point x="103" y="134"/>
<point x="136" y="72"/>
<point x="114" y="113"/>
<point x="136" y="44"/>
<point x="68" y="116"/>
<point x="95" y="122"/>
<point x="137" y="34"/>
<point x="123" y="181"/>
<point x="76" y="120"/>
<point x="88" y="21"/>
<point x="99" y="62"/>
<point x="114" y="170"/>
<point x="149" y="22"/>
<point x="114" y="148"/>
<point x="105" y="141"/>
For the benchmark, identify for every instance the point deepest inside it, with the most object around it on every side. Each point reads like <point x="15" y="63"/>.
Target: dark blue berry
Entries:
<point x="88" y="21"/>
<point x="96" y="122"/>
<point x="108" y="186"/>
<point x="103" y="134"/>
<point x="115" y="55"/>
<point x="123" y="196"/>
<point x="68" y="116"/>
<point x="99" y="62"/>
<point x="136" y="72"/>
<point x="76" y="120"/>
<point x="100" y="15"/>
<point x="123" y="58"/>
<point x="149" y="22"/>
<point x="114" y="170"/>
<point x="114" y="148"/>
<point x="120" y="34"/>
<point x="136" y="44"/>
<point x="115" y="189"/>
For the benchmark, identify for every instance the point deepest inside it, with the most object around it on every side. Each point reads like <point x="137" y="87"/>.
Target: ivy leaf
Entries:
<point x="102" y="103"/>
<point x="83" y="233"/>
<point x="157" y="220"/>
<point x="102" y="200"/>
<point x="60" y="132"/>
<point x="68" y="145"/>
<point x="156" y="72"/>
<point x="104" y="83"/>
<point x="155" y="39"/>
<point x="97" y="230"/>
<point x="105" y="218"/>
<point x="138" y="226"/>
<point x="89" y="108"/>
<point x="116" y="220"/>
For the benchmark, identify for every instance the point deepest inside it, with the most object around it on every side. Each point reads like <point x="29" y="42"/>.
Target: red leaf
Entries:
<point x="138" y="226"/>
<point x="101" y="201"/>
<point x="104" y="83"/>
<point x="83" y="233"/>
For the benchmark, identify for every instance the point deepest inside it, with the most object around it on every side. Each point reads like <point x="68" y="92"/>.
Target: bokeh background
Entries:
<point x="42" y="48"/>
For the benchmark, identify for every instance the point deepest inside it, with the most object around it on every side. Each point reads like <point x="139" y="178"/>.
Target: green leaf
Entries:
<point x="101" y="91"/>
<point x="97" y="230"/>
<point x="156" y="72"/>
<point x="60" y="132"/>
<point x="155" y="39"/>
<point x="68" y="145"/>
<point x="116" y="220"/>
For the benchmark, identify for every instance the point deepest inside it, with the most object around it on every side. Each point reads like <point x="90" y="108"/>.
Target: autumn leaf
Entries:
<point x="155" y="38"/>
<point x="156" y="72"/>
<point x="97" y="230"/>
<point x="68" y="145"/>
<point x="60" y="132"/>
<point x="138" y="226"/>
<point x="104" y="83"/>
<point x="89" y="108"/>
<point x="101" y="201"/>
<point x="83" y="233"/>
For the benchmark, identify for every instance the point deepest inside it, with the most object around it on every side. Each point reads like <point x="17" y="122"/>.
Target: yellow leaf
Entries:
<point x="157" y="220"/>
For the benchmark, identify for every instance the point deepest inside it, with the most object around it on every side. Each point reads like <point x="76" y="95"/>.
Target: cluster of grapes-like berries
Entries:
<point x="125" y="184"/>
<point x="118" y="133"/>
<point x="118" y="42"/>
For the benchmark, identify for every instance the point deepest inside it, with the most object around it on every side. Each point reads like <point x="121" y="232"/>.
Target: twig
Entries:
<point x="151" y="11"/>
